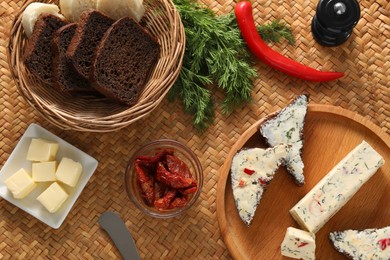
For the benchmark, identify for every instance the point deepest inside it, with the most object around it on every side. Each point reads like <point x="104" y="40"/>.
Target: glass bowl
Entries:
<point x="183" y="153"/>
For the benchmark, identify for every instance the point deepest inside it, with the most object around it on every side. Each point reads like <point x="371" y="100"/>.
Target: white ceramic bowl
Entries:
<point x="18" y="160"/>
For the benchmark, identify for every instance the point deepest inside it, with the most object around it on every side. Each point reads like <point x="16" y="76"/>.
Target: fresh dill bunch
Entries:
<point x="275" y="31"/>
<point x="196" y="98"/>
<point x="229" y="63"/>
<point x="215" y="54"/>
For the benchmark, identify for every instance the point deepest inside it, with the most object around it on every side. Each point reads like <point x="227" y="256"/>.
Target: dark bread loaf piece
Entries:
<point x="89" y="32"/>
<point x="66" y="77"/>
<point x="124" y="60"/>
<point x="38" y="55"/>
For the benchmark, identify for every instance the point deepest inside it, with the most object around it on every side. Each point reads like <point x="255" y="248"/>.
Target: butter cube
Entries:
<point x="69" y="171"/>
<point x="20" y="184"/>
<point x="44" y="171"/>
<point x="42" y="150"/>
<point x="53" y="197"/>
<point x="298" y="244"/>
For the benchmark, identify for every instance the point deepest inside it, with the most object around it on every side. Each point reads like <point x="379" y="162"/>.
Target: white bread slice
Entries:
<point x="33" y="10"/>
<point x="72" y="9"/>
<point x="286" y="126"/>
<point x="251" y="171"/>
<point x="117" y="9"/>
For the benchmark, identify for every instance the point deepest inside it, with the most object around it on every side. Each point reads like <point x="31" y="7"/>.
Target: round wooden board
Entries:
<point x="330" y="133"/>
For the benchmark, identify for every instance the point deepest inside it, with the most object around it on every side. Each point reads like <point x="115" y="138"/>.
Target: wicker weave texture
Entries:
<point x="96" y="114"/>
<point x="364" y="89"/>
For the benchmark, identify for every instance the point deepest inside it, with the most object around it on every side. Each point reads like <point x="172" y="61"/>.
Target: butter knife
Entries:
<point x="112" y="223"/>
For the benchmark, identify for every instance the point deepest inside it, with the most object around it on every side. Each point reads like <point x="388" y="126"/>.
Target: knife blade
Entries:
<point x="112" y="223"/>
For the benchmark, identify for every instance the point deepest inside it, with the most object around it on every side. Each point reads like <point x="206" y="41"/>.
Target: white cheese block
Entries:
<point x="72" y="9"/>
<point x="363" y="244"/>
<point x="42" y="150"/>
<point x="287" y="128"/>
<point x="20" y="184"/>
<point x="117" y="9"/>
<point x="44" y="171"/>
<point x="337" y="187"/>
<point x="32" y="12"/>
<point x="53" y="197"/>
<point x="69" y="171"/>
<point x="251" y="171"/>
<point x="298" y="244"/>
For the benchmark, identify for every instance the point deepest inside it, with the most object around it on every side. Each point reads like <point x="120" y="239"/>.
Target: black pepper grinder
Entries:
<point x="334" y="20"/>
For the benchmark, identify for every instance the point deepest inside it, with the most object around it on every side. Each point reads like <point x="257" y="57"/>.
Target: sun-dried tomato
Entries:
<point x="189" y="190"/>
<point x="173" y="180"/>
<point x="145" y="182"/>
<point x="159" y="190"/>
<point x="165" y="180"/>
<point x="165" y="201"/>
<point x="151" y="161"/>
<point x="177" y="166"/>
<point x="178" y="202"/>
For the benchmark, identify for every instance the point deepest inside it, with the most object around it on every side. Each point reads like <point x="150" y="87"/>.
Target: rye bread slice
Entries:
<point x="66" y="77"/>
<point x="38" y="55"/>
<point x="90" y="30"/>
<point x="124" y="60"/>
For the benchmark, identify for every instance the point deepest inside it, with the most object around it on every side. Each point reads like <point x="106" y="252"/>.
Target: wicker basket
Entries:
<point x="95" y="114"/>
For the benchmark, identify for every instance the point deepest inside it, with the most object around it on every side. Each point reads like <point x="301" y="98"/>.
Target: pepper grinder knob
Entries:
<point x="334" y="21"/>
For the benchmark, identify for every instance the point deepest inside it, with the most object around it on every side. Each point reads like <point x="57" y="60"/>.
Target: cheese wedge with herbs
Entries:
<point x="298" y="244"/>
<point x="371" y="244"/>
<point x="286" y="127"/>
<point x="251" y="171"/>
<point x="337" y="187"/>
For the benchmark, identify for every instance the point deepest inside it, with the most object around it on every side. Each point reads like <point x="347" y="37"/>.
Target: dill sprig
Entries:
<point x="275" y="31"/>
<point x="216" y="54"/>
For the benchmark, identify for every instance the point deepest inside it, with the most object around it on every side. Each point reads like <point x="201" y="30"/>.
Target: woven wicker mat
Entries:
<point x="364" y="89"/>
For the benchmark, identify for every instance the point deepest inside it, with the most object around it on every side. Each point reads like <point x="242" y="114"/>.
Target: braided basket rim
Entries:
<point x="93" y="114"/>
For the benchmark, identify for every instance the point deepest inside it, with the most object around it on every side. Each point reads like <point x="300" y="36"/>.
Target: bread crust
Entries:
<point x="90" y="30"/>
<point x="38" y="55"/>
<point x="66" y="77"/>
<point x="124" y="60"/>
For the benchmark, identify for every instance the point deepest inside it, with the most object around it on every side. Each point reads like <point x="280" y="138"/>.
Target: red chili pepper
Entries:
<point x="249" y="171"/>
<point x="383" y="243"/>
<point x="303" y="244"/>
<point x="262" y="182"/>
<point x="260" y="49"/>
<point x="241" y="183"/>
